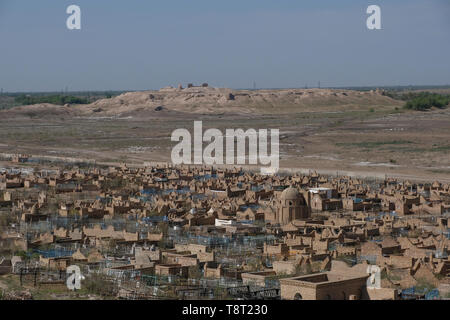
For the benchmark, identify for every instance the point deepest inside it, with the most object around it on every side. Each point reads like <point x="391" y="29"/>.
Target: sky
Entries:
<point x="140" y="45"/>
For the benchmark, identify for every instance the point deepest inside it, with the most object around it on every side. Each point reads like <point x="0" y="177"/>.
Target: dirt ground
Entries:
<point x="11" y="284"/>
<point x="369" y="141"/>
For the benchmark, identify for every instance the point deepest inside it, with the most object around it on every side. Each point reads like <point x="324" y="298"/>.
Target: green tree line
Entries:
<point x="53" y="99"/>
<point x="420" y="100"/>
<point x="427" y="100"/>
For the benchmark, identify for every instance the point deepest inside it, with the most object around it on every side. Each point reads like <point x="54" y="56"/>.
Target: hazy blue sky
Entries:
<point x="137" y="44"/>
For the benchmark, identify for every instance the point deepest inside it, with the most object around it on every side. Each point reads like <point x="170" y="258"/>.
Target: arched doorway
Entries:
<point x="298" y="296"/>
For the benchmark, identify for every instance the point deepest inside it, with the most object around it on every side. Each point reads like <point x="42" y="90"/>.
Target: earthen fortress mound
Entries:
<point x="207" y="100"/>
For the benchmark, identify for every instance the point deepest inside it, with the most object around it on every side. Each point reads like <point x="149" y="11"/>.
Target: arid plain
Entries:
<point x="359" y="133"/>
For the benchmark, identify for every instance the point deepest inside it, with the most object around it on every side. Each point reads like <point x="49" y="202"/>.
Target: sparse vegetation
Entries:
<point x="5" y="219"/>
<point x="424" y="286"/>
<point x="98" y="284"/>
<point x="195" y="272"/>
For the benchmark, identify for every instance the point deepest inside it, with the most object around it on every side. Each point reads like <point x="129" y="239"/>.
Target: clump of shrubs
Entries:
<point x="98" y="284"/>
<point x="426" y="100"/>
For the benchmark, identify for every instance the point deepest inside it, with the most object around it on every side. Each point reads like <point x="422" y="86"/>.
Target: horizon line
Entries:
<point x="349" y="87"/>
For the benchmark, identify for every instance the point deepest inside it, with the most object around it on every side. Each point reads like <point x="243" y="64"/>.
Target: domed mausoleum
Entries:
<point x="291" y="206"/>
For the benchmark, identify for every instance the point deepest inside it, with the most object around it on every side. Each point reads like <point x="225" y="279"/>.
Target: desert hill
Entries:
<point x="207" y="100"/>
<point x="42" y="110"/>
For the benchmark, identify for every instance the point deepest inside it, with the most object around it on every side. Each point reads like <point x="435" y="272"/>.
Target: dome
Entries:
<point x="290" y="194"/>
